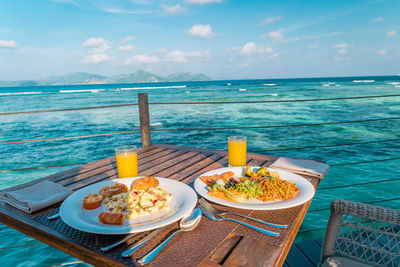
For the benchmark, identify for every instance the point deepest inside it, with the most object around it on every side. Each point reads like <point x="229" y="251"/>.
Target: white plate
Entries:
<point x="306" y="191"/>
<point x="72" y="213"/>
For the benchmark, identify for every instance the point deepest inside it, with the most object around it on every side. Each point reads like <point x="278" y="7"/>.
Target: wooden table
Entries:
<point x="210" y="244"/>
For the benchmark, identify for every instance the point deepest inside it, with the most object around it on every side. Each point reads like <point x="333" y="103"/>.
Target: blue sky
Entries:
<point x="225" y="39"/>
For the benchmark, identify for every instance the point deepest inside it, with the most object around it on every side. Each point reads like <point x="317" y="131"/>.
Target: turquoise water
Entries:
<point x="75" y="123"/>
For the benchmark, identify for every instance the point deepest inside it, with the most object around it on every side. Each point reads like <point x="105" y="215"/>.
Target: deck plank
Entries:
<point x="187" y="163"/>
<point x="311" y="249"/>
<point x="296" y="258"/>
<point x="253" y="252"/>
<point x="222" y="251"/>
<point x="196" y="167"/>
<point x="170" y="162"/>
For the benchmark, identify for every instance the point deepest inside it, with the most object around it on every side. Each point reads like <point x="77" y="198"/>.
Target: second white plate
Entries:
<point x="306" y="191"/>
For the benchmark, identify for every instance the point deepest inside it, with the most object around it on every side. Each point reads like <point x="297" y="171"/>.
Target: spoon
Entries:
<point x="188" y="223"/>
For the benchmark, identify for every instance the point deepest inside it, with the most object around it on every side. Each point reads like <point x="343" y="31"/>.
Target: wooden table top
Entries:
<point x="210" y="244"/>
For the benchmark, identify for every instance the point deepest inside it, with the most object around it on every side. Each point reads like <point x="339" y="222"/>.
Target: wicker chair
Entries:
<point x="361" y="235"/>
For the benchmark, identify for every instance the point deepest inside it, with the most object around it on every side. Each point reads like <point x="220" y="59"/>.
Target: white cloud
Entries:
<point x="173" y="9"/>
<point x="92" y="42"/>
<point x="234" y="48"/>
<point x="391" y="33"/>
<point x="314" y="46"/>
<point x="377" y="19"/>
<point x="181" y="56"/>
<point x="95" y="58"/>
<point x="251" y="48"/>
<point x="274" y="55"/>
<point x="275" y="34"/>
<point x="127" y="39"/>
<point x="248" y="48"/>
<point x="342" y="48"/>
<point x="382" y="52"/>
<point x="162" y="50"/>
<point x="201" y="30"/>
<point x="205" y="54"/>
<point x="143" y="58"/>
<point x="341" y="58"/>
<point x="202" y="2"/>
<point x="98" y="45"/>
<point x="271" y="19"/>
<point x="125" y="48"/>
<point x="264" y="50"/>
<point x="341" y="45"/>
<point x="175" y="56"/>
<point x="8" y="44"/>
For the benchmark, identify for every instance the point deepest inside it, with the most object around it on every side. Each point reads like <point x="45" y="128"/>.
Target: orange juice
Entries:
<point x="237" y="151"/>
<point x="127" y="162"/>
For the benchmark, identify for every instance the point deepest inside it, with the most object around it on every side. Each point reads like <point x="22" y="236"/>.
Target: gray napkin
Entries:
<point x="302" y="166"/>
<point x="37" y="196"/>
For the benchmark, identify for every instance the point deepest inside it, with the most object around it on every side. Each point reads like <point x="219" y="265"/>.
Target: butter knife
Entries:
<point x="140" y="243"/>
<point x="55" y="216"/>
<point x="107" y="248"/>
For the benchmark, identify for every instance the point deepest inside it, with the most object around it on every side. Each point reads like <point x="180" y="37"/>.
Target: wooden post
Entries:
<point x="143" y="100"/>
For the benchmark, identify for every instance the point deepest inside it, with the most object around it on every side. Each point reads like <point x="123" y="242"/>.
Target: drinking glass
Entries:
<point x="237" y="150"/>
<point x="127" y="162"/>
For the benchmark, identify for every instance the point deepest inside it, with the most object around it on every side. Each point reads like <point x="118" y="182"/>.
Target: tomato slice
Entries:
<point x="92" y="201"/>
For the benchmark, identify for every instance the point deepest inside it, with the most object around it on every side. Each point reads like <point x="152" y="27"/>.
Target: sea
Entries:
<point x="366" y="172"/>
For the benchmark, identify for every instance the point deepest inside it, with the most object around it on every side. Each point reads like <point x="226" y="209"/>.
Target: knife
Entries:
<point x="104" y="249"/>
<point x="140" y="243"/>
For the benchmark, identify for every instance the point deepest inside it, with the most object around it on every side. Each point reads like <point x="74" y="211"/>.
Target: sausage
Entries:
<point x="111" y="218"/>
<point x="109" y="191"/>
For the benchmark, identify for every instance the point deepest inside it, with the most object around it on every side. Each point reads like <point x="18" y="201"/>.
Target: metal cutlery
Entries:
<point x="216" y="217"/>
<point x="221" y="212"/>
<point x="188" y="223"/>
<point x="55" y="216"/>
<point x="140" y="243"/>
<point x="126" y="238"/>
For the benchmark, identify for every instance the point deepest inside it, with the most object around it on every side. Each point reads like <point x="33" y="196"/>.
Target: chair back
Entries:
<point x="366" y="233"/>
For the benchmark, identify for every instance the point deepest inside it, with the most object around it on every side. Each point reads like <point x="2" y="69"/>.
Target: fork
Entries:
<point x="216" y="217"/>
<point x="221" y="212"/>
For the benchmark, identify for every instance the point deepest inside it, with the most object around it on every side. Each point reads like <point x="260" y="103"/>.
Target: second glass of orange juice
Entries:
<point x="127" y="162"/>
<point x="237" y="150"/>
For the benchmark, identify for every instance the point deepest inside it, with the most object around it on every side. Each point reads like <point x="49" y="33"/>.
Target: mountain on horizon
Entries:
<point x="140" y="76"/>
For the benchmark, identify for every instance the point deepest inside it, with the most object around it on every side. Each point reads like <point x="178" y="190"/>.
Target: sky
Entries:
<point x="224" y="39"/>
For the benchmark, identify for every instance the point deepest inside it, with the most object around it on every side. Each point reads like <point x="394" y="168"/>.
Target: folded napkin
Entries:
<point x="302" y="166"/>
<point x="37" y="196"/>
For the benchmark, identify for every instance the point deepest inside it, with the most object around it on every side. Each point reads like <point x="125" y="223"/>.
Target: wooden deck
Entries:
<point x="304" y="254"/>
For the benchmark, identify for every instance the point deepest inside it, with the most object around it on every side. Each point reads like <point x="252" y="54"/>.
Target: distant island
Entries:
<point x="139" y="76"/>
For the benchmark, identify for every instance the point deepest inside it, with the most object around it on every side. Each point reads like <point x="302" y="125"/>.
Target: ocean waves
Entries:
<point x="363" y="81"/>
<point x="20" y="93"/>
<point x="153" y="87"/>
<point x="82" y="91"/>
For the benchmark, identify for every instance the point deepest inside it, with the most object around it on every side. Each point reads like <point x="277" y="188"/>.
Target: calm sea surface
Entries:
<point x="86" y="122"/>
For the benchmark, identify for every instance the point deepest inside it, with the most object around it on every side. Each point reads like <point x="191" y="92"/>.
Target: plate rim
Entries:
<point x="198" y="185"/>
<point x="187" y="204"/>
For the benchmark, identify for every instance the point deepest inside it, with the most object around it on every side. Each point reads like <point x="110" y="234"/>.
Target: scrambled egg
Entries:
<point x="137" y="203"/>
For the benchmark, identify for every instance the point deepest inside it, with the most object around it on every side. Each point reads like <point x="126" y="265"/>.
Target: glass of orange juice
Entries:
<point x="237" y="150"/>
<point x="127" y="162"/>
